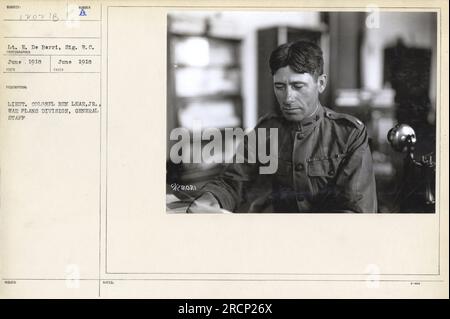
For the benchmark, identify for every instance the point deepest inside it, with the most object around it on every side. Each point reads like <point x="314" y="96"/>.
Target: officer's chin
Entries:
<point x="294" y="117"/>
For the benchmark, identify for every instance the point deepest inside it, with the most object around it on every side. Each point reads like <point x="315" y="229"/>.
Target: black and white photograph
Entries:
<point x="301" y="111"/>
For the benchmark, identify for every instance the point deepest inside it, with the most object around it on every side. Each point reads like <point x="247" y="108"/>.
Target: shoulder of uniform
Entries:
<point x="267" y="118"/>
<point x="332" y="115"/>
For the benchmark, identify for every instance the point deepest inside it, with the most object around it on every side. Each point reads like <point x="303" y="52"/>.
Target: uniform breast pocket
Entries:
<point x="322" y="171"/>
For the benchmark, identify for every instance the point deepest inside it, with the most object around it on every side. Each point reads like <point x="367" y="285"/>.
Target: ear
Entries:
<point x="322" y="82"/>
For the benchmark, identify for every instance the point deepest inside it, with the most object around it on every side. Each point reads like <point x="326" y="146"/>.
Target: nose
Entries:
<point x="289" y="96"/>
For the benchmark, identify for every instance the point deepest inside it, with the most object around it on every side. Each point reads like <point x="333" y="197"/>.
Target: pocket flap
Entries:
<point x="319" y="167"/>
<point x="326" y="167"/>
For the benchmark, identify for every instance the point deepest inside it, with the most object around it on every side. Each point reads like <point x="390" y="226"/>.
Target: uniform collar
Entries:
<point x="308" y="124"/>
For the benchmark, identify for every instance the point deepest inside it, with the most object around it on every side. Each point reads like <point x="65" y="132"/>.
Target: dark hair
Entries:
<point x="300" y="56"/>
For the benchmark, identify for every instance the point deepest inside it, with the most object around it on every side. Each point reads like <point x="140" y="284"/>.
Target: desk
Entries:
<point x="174" y="205"/>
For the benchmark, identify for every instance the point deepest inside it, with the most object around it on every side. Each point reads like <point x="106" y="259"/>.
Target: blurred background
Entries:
<point x="381" y="68"/>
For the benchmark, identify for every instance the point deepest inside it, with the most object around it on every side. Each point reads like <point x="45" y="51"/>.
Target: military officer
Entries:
<point x="324" y="160"/>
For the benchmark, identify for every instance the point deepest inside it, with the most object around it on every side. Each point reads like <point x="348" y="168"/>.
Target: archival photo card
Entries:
<point x="224" y="149"/>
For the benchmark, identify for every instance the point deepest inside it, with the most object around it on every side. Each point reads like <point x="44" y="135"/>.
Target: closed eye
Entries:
<point x="297" y="85"/>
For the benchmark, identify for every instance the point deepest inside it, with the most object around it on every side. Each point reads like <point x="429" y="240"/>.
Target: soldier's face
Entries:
<point x="297" y="93"/>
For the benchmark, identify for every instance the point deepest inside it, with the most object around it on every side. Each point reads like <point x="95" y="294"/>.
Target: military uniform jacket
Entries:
<point x="324" y="165"/>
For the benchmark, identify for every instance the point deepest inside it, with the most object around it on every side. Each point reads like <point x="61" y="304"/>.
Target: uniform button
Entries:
<point x="331" y="172"/>
<point x="300" y="198"/>
<point x="299" y="167"/>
